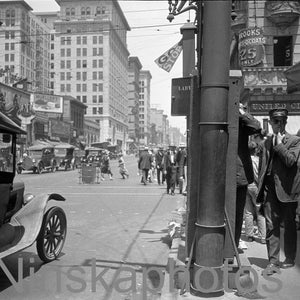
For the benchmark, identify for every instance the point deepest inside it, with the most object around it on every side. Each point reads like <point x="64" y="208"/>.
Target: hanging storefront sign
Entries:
<point x="167" y="60"/>
<point x="251" y="46"/>
<point x="181" y="93"/>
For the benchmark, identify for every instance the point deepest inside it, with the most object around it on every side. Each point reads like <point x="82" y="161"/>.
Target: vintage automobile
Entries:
<point x="79" y="156"/>
<point x="64" y="155"/>
<point x="39" y="157"/>
<point x="24" y="219"/>
<point x="94" y="155"/>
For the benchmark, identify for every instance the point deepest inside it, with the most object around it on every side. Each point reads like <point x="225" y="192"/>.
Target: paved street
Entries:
<point x="112" y="224"/>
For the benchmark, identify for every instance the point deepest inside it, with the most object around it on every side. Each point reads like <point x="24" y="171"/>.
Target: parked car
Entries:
<point x="113" y="151"/>
<point x="79" y="157"/>
<point x="26" y="218"/>
<point x="64" y="155"/>
<point x="94" y="155"/>
<point x="39" y="158"/>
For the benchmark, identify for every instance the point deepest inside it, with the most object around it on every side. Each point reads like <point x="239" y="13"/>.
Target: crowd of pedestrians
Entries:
<point x="267" y="184"/>
<point x="164" y="166"/>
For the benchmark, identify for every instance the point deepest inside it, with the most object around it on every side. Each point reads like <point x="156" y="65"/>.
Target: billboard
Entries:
<point x="251" y="46"/>
<point x="60" y="129"/>
<point x="15" y="103"/>
<point x="47" y="103"/>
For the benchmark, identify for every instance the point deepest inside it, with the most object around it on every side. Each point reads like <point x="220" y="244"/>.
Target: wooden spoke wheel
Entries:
<point x="51" y="238"/>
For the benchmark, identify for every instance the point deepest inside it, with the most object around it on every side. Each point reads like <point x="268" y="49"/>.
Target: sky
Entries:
<point x="150" y="36"/>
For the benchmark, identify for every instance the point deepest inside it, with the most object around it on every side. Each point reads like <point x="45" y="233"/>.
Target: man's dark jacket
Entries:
<point x="285" y="168"/>
<point x="145" y="161"/>
<point x="248" y="125"/>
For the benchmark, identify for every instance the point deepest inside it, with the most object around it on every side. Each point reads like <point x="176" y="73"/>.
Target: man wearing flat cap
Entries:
<point x="279" y="190"/>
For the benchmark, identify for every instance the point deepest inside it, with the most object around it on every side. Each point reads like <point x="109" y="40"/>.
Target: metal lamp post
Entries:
<point x="212" y="133"/>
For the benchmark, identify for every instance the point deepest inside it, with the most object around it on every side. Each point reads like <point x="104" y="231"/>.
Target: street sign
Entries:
<point x="263" y="107"/>
<point x="181" y="93"/>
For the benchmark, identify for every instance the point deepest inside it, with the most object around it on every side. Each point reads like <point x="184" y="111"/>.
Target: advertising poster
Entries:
<point x="251" y="46"/>
<point x="15" y="104"/>
<point x="47" y="103"/>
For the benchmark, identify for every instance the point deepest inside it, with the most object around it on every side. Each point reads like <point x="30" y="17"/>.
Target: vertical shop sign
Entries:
<point x="251" y="46"/>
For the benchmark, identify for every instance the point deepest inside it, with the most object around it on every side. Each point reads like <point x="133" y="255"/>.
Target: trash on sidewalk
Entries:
<point x="174" y="229"/>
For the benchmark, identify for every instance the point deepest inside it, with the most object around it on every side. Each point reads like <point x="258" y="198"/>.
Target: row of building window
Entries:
<point x="85" y="11"/>
<point x="97" y="110"/>
<point x="80" y="40"/>
<point x="97" y="87"/>
<point x="9" y="57"/>
<point x="95" y="99"/>
<point x="79" y="75"/>
<point x="81" y="52"/>
<point x="66" y="64"/>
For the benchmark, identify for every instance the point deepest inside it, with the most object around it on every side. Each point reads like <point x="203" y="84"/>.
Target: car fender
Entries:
<point x="30" y="217"/>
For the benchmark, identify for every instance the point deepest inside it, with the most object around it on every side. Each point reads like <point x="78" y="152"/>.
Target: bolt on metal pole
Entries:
<point x="213" y="139"/>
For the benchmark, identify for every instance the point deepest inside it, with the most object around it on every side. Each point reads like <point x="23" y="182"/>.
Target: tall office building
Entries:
<point x="24" y="47"/>
<point x="135" y="67"/>
<point x="144" y="106"/>
<point x="90" y="62"/>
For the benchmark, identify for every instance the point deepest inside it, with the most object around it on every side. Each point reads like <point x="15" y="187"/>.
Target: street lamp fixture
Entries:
<point x="174" y="10"/>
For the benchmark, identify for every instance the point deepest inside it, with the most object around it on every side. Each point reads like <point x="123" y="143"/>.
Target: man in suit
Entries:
<point x="181" y="159"/>
<point x="279" y="190"/>
<point x="170" y="170"/>
<point x="159" y="166"/>
<point x="144" y="164"/>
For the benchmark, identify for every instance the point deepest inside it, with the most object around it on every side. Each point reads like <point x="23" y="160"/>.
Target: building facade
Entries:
<point x="266" y="43"/>
<point x="144" y="106"/>
<point x="157" y="126"/>
<point x="91" y="132"/>
<point x="135" y="67"/>
<point x="91" y="62"/>
<point x="24" y="47"/>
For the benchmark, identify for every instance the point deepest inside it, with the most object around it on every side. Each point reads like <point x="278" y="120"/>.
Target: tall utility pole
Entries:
<point x="188" y="31"/>
<point x="212" y="132"/>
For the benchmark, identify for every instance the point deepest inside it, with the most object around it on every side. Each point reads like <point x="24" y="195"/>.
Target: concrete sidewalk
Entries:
<point x="283" y="286"/>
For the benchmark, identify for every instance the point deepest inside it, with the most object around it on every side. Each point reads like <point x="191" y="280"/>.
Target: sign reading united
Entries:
<point x="251" y="46"/>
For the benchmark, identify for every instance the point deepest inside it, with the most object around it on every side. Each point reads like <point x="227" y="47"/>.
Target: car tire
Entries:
<point x="52" y="235"/>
